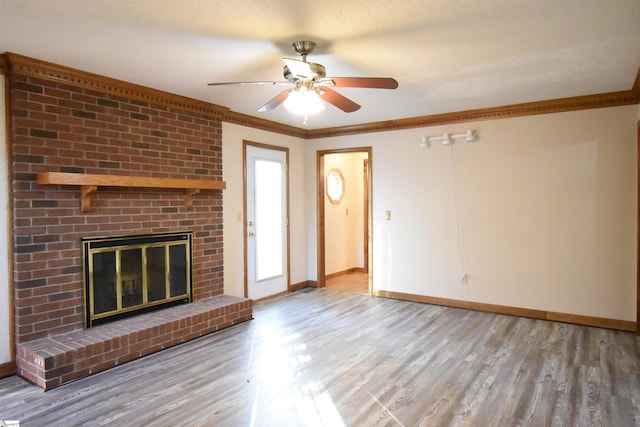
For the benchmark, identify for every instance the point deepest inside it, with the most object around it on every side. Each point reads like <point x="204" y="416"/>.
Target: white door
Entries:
<point x="266" y="244"/>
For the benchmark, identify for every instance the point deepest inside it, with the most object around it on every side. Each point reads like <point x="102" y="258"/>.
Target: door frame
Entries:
<point x="9" y="367"/>
<point x="367" y="228"/>
<point x="245" y="144"/>
<point x="320" y="196"/>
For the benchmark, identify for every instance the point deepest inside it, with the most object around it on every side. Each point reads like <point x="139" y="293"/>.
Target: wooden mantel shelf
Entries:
<point x="89" y="184"/>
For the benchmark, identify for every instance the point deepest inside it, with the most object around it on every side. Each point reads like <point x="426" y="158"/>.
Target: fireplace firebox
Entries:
<point x="127" y="275"/>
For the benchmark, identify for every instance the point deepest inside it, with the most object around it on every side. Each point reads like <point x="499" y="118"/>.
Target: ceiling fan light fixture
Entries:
<point x="304" y="102"/>
<point x="312" y="86"/>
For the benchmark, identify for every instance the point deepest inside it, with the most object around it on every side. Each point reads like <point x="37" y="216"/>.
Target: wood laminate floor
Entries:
<point x="322" y="357"/>
<point x="352" y="282"/>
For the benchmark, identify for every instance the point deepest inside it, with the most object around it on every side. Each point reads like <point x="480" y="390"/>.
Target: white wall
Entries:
<point x="547" y="208"/>
<point x="344" y="222"/>
<point x="5" y="333"/>
<point x="232" y="138"/>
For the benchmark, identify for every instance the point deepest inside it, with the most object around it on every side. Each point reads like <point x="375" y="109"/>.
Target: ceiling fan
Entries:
<point x="311" y="86"/>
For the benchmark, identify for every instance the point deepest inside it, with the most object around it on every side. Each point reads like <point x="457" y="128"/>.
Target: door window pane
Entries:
<point x="268" y="219"/>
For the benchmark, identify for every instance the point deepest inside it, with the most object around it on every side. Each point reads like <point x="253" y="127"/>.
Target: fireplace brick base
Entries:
<point x="59" y="359"/>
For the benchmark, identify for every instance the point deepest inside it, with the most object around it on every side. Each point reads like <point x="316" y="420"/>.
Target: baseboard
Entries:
<point x="599" y="322"/>
<point x="343" y="272"/>
<point x="306" y="284"/>
<point x="267" y="298"/>
<point x="7" y="369"/>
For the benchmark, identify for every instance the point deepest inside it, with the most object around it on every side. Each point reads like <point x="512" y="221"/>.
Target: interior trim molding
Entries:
<point x="343" y="272"/>
<point x="9" y="235"/>
<point x="13" y="63"/>
<point x="320" y="203"/>
<point x="7" y="369"/>
<point x="638" y="230"/>
<point x="613" y="99"/>
<point x="25" y="66"/>
<point x="301" y="285"/>
<point x="635" y="89"/>
<point x="599" y="322"/>
<point x="4" y="65"/>
<point x="262" y="124"/>
<point x="270" y="297"/>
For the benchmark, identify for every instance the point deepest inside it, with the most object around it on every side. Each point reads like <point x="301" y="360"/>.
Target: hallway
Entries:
<point x="352" y="282"/>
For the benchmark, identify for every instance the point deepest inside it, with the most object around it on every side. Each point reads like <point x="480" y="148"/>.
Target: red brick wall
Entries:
<point x="63" y="128"/>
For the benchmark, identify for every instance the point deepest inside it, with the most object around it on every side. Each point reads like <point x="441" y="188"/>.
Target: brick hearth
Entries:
<point x="58" y="359"/>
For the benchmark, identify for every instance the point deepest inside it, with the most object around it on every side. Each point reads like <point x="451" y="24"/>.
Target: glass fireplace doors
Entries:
<point x="129" y="274"/>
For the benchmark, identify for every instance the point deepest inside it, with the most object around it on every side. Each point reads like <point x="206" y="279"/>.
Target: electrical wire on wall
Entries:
<point x="449" y="139"/>
<point x="456" y="203"/>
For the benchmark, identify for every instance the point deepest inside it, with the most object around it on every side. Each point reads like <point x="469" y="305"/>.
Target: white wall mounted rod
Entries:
<point x="449" y="138"/>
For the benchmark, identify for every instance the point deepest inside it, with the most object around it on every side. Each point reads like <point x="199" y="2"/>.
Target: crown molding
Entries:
<point x="258" y="123"/>
<point x="12" y="63"/>
<point x="612" y="99"/>
<point x="636" y="87"/>
<point x="4" y="65"/>
<point x="25" y="66"/>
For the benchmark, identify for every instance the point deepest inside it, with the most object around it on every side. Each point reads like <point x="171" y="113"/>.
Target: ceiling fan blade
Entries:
<point x="298" y="68"/>
<point x="334" y="98"/>
<point x="366" y="82"/>
<point x="275" y="101"/>
<point x="273" y="83"/>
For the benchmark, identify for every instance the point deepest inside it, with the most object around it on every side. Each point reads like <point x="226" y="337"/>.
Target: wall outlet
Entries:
<point x="464" y="278"/>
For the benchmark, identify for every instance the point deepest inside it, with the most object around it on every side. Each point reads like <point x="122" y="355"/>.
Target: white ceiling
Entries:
<point x="447" y="55"/>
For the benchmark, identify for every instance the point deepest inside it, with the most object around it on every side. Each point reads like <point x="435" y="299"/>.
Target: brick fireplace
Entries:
<point x="64" y="120"/>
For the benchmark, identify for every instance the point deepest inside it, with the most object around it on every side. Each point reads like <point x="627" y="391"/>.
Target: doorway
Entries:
<point x="351" y="169"/>
<point x="266" y="213"/>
